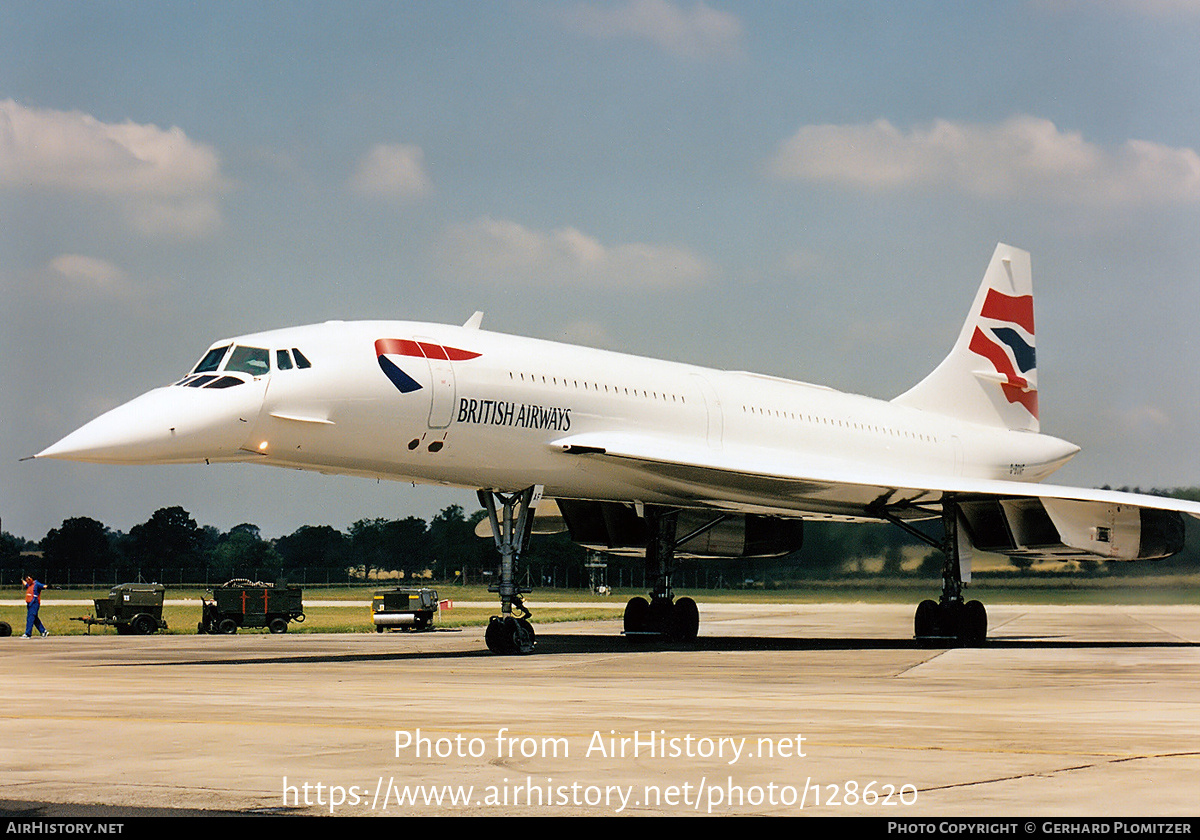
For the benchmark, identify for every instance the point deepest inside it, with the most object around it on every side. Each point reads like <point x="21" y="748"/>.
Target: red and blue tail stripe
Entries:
<point x="1007" y="349"/>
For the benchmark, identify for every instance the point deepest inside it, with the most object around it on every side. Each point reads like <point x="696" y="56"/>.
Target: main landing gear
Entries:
<point x="951" y="617"/>
<point x="511" y="526"/>
<point x="662" y="615"/>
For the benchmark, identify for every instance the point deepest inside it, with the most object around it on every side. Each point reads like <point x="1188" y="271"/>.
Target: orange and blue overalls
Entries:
<point x="33" y="600"/>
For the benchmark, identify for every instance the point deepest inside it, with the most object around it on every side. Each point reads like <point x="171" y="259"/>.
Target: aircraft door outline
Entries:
<point x="715" y="418"/>
<point x="442" y="387"/>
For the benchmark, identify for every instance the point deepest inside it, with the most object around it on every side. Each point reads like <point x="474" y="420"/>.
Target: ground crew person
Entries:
<point x="33" y="600"/>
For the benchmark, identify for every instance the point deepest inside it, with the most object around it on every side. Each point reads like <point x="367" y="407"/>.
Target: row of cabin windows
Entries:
<point x="592" y="386"/>
<point x="787" y="415"/>
<point x="844" y="424"/>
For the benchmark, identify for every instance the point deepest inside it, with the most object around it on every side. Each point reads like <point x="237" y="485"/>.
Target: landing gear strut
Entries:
<point x="951" y="616"/>
<point x="511" y="526"/>
<point x="662" y="615"/>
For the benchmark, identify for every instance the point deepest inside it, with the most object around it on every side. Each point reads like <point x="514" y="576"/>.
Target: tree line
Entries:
<point x="171" y="547"/>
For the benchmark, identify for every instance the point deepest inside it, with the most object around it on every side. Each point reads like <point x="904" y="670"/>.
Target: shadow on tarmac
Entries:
<point x="17" y="810"/>
<point x="551" y="644"/>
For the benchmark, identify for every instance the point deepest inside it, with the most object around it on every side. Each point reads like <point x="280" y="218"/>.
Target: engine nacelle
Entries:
<point x="617" y="528"/>
<point x="1067" y="528"/>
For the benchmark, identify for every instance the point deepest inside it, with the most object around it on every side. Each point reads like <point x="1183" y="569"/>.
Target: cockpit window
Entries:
<point x="209" y="380"/>
<point x="255" y="361"/>
<point x="211" y="360"/>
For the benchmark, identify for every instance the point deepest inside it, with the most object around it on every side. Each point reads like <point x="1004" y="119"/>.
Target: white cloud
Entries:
<point x="90" y="274"/>
<point x="697" y="31"/>
<point x="491" y="249"/>
<point x="1023" y="156"/>
<point x="81" y="283"/>
<point x="160" y="180"/>
<point x="391" y="170"/>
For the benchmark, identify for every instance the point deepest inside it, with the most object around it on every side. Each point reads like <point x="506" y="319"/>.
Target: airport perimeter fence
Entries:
<point x="536" y="576"/>
<point x="184" y="577"/>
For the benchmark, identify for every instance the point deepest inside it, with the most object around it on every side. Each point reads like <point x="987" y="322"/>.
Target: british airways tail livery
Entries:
<point x="656" y="456"/>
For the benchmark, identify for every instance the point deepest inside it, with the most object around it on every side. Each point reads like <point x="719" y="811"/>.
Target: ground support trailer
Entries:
<point x="132" y="608"/>
<point x="404" y="609"/>
<point x="242" y="603"/>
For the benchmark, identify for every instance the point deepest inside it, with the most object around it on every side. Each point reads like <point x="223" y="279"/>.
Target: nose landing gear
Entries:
<point x="507" y="633"/>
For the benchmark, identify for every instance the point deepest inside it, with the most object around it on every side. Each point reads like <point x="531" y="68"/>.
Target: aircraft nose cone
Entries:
<point x="112" y="437"/>
<point x="167" y="425"/>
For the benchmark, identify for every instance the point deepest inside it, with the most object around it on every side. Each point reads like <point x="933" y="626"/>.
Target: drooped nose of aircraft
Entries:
<point x="172" y="425"/>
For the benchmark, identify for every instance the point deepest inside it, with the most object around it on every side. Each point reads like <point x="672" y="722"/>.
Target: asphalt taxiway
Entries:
<point x="778" y="710"/>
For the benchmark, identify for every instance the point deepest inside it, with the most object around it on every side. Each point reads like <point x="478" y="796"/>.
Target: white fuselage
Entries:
<point x="521" y="412"/>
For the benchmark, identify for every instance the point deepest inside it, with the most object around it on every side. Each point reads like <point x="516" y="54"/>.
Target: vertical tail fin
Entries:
<point x="990" y="376"/>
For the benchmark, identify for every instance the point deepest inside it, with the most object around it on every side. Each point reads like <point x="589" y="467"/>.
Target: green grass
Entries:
<point x="355" y="616"/>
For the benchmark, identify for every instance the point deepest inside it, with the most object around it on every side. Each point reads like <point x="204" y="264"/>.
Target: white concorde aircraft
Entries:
<point x="654" y="455"/>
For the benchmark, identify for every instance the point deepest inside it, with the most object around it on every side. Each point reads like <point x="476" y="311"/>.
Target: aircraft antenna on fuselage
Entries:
<point x="474" y="321"/>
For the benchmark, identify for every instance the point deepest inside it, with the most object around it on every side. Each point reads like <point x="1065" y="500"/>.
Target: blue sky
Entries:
<point x="810" y="190"/>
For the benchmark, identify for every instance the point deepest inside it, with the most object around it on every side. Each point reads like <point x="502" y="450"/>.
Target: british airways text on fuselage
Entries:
<point x="505" y="413"/>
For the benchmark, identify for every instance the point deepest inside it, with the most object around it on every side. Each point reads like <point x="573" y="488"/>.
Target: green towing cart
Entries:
<point x="244" y="603"/>
<point x="132" y="608"/>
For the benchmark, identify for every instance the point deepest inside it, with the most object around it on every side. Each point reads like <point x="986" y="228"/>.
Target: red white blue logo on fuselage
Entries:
<point x="385" y="347"/>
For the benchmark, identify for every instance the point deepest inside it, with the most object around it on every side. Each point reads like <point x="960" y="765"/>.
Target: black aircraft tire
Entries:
<point x="950" y="619"/>
<point x="972" y="627"/>
<point x="661" y="617"/>
<point x="637" y="615"/>
<point x="925" y="623"/>
<point x="506" y="635"/>
<point x="497" y="640"/>
<point x="524" y="639"/>
<point x="5" y="629"/>
<point x="686" y="620"/>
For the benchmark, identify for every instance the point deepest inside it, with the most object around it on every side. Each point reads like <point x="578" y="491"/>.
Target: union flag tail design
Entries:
<point x="990" y="376"/>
